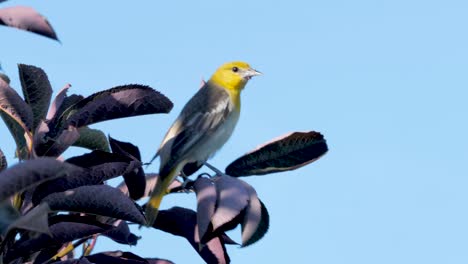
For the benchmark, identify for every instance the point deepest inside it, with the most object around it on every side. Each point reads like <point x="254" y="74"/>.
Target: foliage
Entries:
<point x="49" y="207"/>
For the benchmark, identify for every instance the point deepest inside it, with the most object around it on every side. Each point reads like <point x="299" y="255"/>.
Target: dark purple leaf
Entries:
<point x="54" y="147"/>
<point x="206" y="202"/>
<point x="100" y="166"/>
<point x="3" y="161"/>
<point x="256" y="218"/>
<point x="191" y="168"/>
<point x="93" y="139"/>
<point x="8" y="214"/>
<point x="45" y="254"/>
<point x="74" y="261"/>
<point x="63" y="110"/>
<point x="288" y="152"/>
<point x="57" y="102"/>
<point x="13" y="107"/>
<point x="158" y="261"/>
<point x="227" y="240"/>
<point x="121" y="234"/>
<point x="5" y="78"/>
<point x="134" y="180"/>
<point x="78" y="218"/>
<point x="35" y="220"/>
<point x="124" y="148"/>
<point x="17" y="132"/>
<point x="33" y="172"/>
<point x="119" y="102"/>
<point x="182" y="222"/>
<point x="116" y="257"/>
<point x="37" y="91"/>
<point x="98" y="200"/>
<point x="26" y="18"/>
<point x="62" y="232"/>
<point x="232" y="199"/>
<point x="136" y="183"/>
<point x="39" y="134"/>
<point x="97" y="158"/>
<point x="150" y="183"/>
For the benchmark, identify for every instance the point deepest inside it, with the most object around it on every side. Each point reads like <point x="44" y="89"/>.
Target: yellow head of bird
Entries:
<point x="234" y="75"/>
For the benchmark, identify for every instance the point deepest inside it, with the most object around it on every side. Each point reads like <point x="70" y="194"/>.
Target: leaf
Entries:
<point x="37" y="91"/>
<point x="93" y="139"/>
<point x="118" y="102"/>
<point x="288" y="152"/>
<point x="136" y="183"/>
<point x="121" y="234"/>
<point x="18" y="135"/>
<point x="182" y="222"/>
<point x="26" y="18"/>
<point x="56" y="122"/>
<point x="158" y="261"/>
<point x="150" y="183"/>
<point x="124" y="148"/>
<point x="12" y="105"/>
<point x="32" y="172"/>
<point x="58" y="100"/>
<point x="232" y="199"/>
<point x="3" y="161"/>
<point x="206" y="202"/>
<point x="134" y="180"/>
<point x="62" y="232"/>
<point x="116" y="257"/>
<point x="78" y="218"/>
<point x="8" y="214"/>
<point x="191" y="167"/>
<point x="256" y="218"/>
<point x="97" y="199"/>
<point x="5" y="78"/>
<point x="45" y="146"/>
<point x="35" y="220"/>
<point x="97" y="158"/>
<point x="74" y="261"/>
<point x="100" y="166"/>
<point x="45" y="254"/>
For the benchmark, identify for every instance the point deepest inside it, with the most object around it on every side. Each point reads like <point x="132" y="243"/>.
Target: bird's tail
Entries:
<point x="160" y="189"/>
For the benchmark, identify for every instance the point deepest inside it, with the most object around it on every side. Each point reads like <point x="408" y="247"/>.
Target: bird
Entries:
<point x="203" y="126"/>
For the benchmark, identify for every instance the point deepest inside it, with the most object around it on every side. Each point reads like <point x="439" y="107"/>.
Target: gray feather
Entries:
<point x="206" y="111"/>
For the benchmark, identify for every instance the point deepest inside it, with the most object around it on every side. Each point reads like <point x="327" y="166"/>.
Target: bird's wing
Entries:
<point x="199" y="119"/>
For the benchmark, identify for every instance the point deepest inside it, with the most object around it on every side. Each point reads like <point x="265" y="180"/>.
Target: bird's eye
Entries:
<point x="235" y="69"/>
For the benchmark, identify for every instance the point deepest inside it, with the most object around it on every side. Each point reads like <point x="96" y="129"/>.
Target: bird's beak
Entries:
<point x="249" y="73"/>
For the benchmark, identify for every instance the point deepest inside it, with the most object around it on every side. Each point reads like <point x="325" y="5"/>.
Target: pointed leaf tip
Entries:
<point x="31" y="173"/>
<point x="256" y="223"/>
<point x="37" y="91"/>
<point x="26" y="18"/>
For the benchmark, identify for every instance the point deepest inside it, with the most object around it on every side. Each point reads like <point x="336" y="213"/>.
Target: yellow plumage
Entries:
<point x="204" y="125"/>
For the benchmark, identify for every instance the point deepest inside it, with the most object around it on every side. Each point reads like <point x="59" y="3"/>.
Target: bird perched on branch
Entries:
<point x="204" y="125"/>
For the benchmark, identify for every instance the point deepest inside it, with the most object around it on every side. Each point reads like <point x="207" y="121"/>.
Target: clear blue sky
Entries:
<point x="384" y="81"/>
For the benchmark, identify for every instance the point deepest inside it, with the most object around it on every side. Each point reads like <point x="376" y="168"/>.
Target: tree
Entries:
<point x="49" y="207"/>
